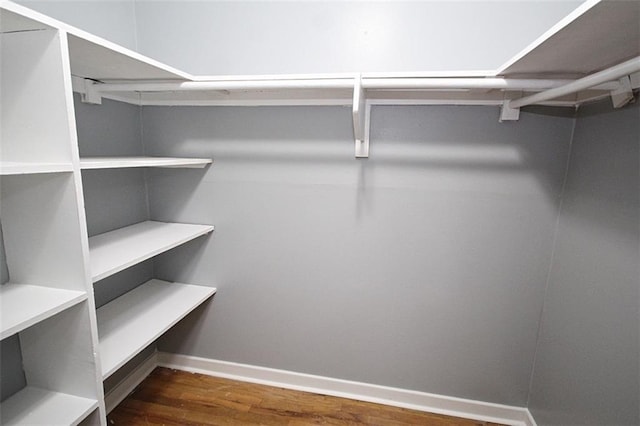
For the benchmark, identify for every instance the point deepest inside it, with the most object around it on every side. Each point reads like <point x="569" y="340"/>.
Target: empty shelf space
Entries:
<point x="114" y="251"/>
<point x="89" y="163"/>
<point x="35" y="406"/>
<point x="23" y="168"/>
<point x="25" y="305"/>
<point x="131" y="322"/>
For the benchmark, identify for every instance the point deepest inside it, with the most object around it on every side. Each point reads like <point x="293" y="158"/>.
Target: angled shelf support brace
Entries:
<point x="360" y="119"/>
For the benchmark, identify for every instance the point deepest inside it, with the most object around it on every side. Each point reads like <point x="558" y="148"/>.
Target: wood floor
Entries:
<point x="171" y="397"/>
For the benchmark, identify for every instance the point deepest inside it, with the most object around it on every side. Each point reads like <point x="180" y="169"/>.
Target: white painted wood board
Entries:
<point x="23" y="305"/>
<point x="100" y="59"/>
<point x="131" y="322"/>
<point x="24" y="167"/>
<point x="89" y="163"/>
<point x="597" y="36"/>
<point x="35" y="406"/>
<point x="114" y="251"/>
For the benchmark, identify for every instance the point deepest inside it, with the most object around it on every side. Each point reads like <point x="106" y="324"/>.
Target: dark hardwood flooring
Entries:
<point x="172" y="397"/>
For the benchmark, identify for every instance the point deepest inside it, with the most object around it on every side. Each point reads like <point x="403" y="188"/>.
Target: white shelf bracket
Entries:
<point x="506" y="112"/>
<point x="360" y="119"/>
<point x="623" y="94"/>
<point x="89" y="94"/>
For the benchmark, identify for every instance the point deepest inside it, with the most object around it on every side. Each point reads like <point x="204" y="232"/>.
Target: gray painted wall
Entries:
<point x="117" y="197"/>
<point x="422" y="267"/>
<point x="11" y="371"/>
<point x="114" y="198"/>
<point x="114" y="20"/>
<point x="285" y="37"/>
<point x="586" y="370"/>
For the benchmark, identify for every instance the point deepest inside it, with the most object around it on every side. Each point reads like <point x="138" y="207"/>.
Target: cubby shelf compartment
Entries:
<point x="89" y="163"/>
<point x="117" y="250"/>
<point x="24" y="167"/>
<point x="35" y="406"/>
<point x="25" y="305"/>
<point x="131" y="322"/>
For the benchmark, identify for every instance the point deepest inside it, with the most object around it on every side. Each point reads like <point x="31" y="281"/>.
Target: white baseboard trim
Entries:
<point x="530" y="421"/>
<point x="129" y="383"/>
<point x="439" y="404"/>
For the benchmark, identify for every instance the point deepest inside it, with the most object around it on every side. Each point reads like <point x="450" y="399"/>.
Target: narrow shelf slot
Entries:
<point x="114" y="251"/>
<point x="89" y="163"/>
<point x="131" y="322"/>
<point x="35" y="406"/>
<point x="24" y="305"/>
<point x="24" y="167"/>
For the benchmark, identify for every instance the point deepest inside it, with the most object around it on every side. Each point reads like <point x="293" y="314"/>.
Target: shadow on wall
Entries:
<point x="428" y="148"/>
<point x="369" y="270"/>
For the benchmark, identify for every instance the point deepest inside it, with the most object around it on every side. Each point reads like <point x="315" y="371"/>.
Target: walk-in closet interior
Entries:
<point x="427" y="204"/>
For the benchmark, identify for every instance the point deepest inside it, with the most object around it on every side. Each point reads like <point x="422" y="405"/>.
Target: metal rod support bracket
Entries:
<point x="360" y="119"/>
<point x="508" y="113"/>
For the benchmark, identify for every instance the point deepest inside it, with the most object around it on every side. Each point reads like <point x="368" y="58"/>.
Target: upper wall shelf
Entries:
<point x="591" y="54"/>
<point x="91" y="56"/>
<point x="597" y="35"/>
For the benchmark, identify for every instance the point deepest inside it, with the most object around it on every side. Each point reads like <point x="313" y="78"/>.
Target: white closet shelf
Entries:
<point x="35" y="406"/>
<point x="24" y="305"/>
<point x="131" y="322"/>
<point x="89" y="163"/>
<point x="24" y="167"/>
<point x="114" y="251"/>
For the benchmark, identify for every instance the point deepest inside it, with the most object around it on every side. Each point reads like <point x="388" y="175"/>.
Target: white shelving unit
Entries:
<point x="53" y="263"/>
<point x="25" y="305"/>
<point x="129" y="323"/>
<point x="49" y="303"/>
<point x="90" y="163"/>
<point x="114" y="251"/>
<point x="35" y="406"/>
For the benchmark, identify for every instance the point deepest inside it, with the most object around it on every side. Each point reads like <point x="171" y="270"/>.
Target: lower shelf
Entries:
<point x="24" y="305"/>
<point x="35" y="406"/>
<point x="131" y="322"/>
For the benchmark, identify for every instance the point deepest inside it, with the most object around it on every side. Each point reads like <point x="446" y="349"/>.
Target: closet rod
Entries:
<point x="189" y="86"/>
<point x="428" y="83"/>
<point x="610" y="74"/>
<point x="465" y="83"/>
